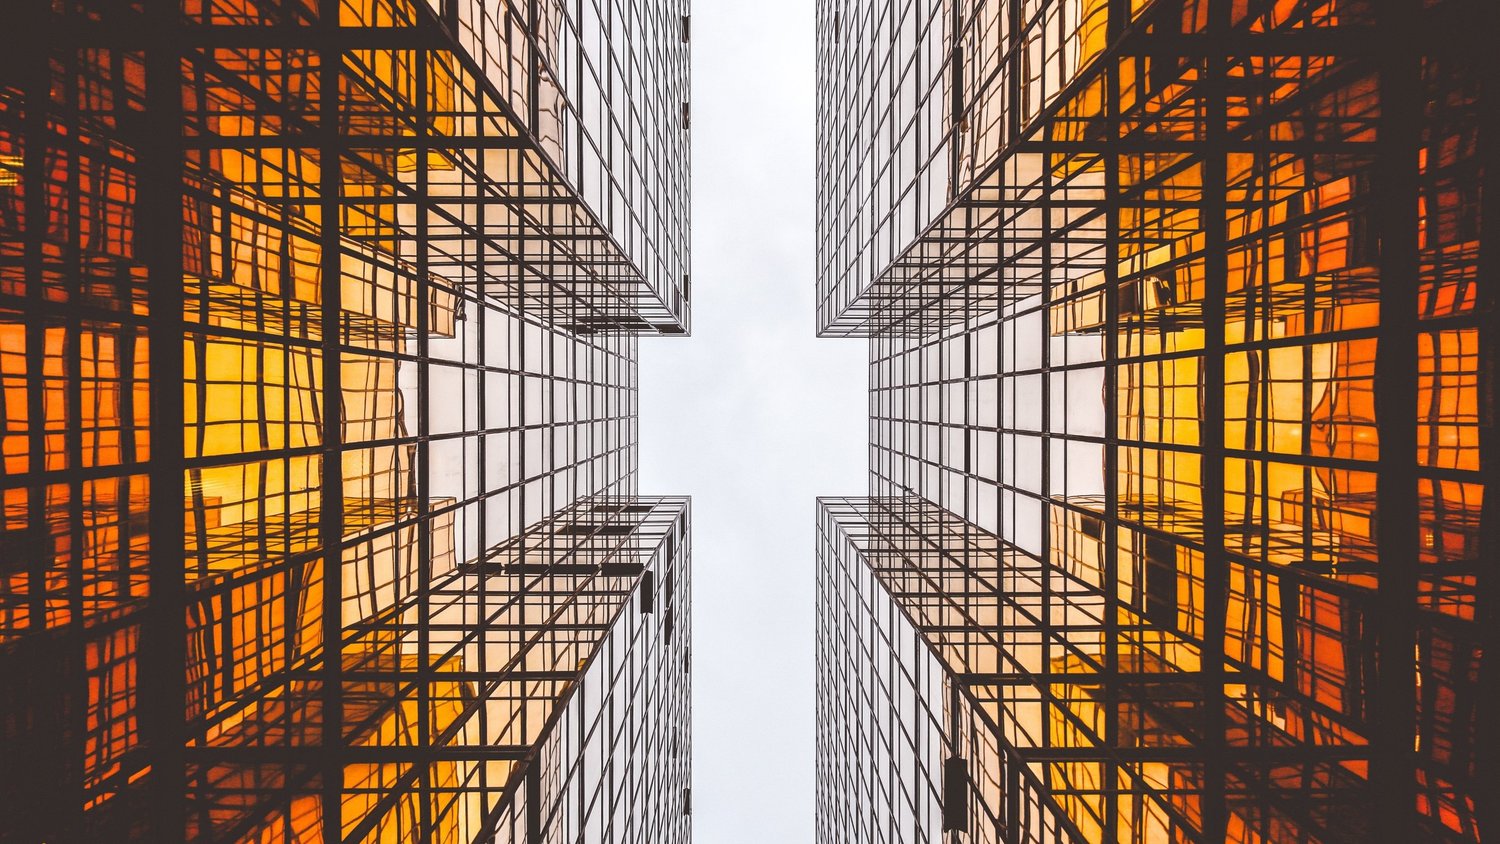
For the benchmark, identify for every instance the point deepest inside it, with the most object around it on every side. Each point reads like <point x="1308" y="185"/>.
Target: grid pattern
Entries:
<point x="1199" y="339"/>
<point x="918" y="612"/>
<point x="611" y="763"/>
<point x="318" y="331"/>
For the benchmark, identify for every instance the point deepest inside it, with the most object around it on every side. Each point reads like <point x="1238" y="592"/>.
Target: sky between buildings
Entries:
<point x="754" y="417"/>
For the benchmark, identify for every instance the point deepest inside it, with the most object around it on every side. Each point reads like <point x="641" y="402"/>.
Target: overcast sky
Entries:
<point x="753" y="417"/>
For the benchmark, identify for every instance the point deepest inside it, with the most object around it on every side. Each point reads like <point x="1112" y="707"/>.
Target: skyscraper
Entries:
<point x="1179" y="436"/>
<point x="318" y="331"/>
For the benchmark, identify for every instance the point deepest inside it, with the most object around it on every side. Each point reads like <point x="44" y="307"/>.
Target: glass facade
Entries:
<point x="1176" y="336"/>
<point x="318" y="341"/>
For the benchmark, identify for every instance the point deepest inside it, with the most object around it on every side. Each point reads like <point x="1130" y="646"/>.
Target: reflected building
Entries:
<point x="1180" y="428"/>
<point x="318" y="341"/>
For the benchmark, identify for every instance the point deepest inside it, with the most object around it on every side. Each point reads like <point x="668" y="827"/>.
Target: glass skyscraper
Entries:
<point x="318" y="332"/>
<point x="1180" y="421"/>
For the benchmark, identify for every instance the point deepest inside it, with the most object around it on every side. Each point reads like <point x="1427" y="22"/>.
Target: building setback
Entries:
<point x="318" y="341"/>
<point x="1179" y="435"/>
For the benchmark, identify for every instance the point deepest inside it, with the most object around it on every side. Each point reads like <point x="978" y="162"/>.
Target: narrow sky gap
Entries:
<point x="754" y="417"/>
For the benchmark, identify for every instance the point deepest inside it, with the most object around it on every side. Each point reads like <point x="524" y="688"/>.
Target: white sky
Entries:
<point x="754" y="417"/>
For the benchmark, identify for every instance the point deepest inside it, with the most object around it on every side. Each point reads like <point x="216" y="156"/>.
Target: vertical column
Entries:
<point x="422" y="479"/>
<point x="1119" y="14"/>
<point x="1395" y="175"/>
<point x="163" y="655"/>
<point x="331" y="494"/>
<point x="1213" y="217"/>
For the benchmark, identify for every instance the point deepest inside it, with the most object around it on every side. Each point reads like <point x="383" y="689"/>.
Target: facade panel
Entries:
<point x="318" y="323"/>
<point x="1201" y="335"/>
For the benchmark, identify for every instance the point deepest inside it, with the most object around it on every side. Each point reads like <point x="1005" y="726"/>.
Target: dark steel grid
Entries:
<point x="1173" y="309"/>
<point x="612" y="759"/>
<point x="450" y="405"/>
<point x="910" y="668"/>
